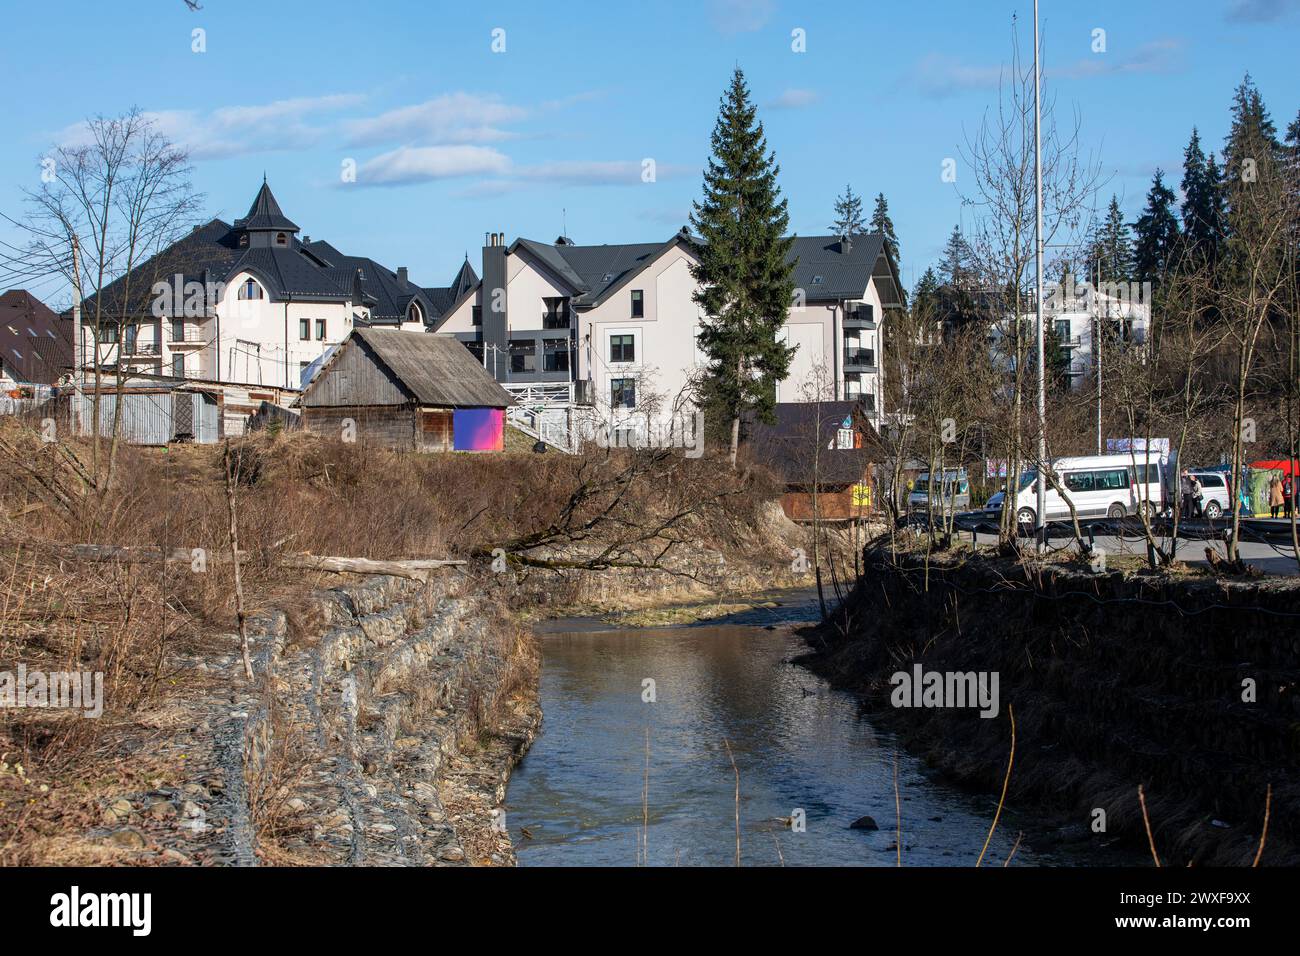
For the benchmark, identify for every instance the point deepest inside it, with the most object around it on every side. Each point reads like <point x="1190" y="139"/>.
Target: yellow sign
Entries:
<point x="861" y="496"/>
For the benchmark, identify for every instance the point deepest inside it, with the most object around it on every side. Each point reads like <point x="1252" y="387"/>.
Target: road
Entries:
<point x="1263" y="556"/>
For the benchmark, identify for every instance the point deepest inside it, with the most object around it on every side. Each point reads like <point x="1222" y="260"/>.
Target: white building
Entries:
<point x="248" y="305"/>
<point x="612" y="330"/>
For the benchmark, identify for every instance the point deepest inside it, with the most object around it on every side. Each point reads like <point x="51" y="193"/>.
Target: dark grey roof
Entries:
<point x="35" y="344"/>
<point x="788" y="446"/>
<point x="825" y="269"/>
<point x="265" y="214"/>
<point x="595" y="272"/>
<point x="445" y="299"/>
<point x="434" y="369"/>
<point x="387" y="297"/>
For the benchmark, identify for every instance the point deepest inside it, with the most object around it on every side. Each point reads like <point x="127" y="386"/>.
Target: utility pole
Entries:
<point x="1041" y="524"/>
<point x="1096" y="350"/>
<point x="78" y="356"/>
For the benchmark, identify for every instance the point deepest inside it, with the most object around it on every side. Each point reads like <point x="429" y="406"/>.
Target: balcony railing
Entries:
<point x="860" y="317"/>
<point x="859" y="358"/>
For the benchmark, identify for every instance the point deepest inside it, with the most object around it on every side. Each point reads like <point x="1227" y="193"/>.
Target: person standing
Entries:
<point x="1185" y="493"/>
<point x="1288" y="495"/>
<point x="1197" y="510"/>
<point x="1275" y="497"/>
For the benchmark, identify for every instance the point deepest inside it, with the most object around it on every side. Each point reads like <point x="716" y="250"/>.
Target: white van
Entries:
<point x="1100" y="486"/>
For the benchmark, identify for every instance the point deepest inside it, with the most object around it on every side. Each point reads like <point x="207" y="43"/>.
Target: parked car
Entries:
<point x="1098" y="486"/>
<point x="955" y="495"/>
<point x="1216" y="497"/>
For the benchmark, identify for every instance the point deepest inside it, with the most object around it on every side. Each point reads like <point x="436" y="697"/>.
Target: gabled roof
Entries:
<point x="596" y="272"/>
<point x="387" y="297"/>
<point x="446" y="299"/>
<point x="35" y="346"/>
<point x="433" y="369"/>
<point x="827" y="269"/>
<point x="265" y="214"/>
<point x="788" y="445"/>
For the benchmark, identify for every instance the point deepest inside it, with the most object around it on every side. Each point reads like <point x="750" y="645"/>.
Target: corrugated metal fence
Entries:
<point x="155" y="418"/>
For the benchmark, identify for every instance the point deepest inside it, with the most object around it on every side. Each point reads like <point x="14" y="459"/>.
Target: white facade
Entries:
<point x="635" y="354"/>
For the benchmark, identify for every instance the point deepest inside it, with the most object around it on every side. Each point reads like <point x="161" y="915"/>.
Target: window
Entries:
<point x="304" y="330"/>
<point x="413" y="314"/>
<point x="320" y="330"/>
<point x="178" y="366"/>
<point x="1078" y="481"/>
<point x="1210" y="481"/>
<point x="843" y="438"/>
<point x="1063" y="330"/>
<point x="250" y="290"/>
<point x="476" y="315"/>
<point x="1113" y="480"/>
<point x="281" y="239"/>
<point x="523" y="356"/>
<point x="817" y="280"/>
<point x="556" y="315"/>
<point x="243" y="239"/>
<point x="178" y="330"/>
<point x="638" y="304"/>
<point x="622" y="393"/>
<point x="555" y="355"/>
<point x="302" y="367"/>
<point x="622" y="348"/>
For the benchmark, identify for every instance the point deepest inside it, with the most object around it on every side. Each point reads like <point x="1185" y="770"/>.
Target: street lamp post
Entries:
<point x="1039" y="520"/>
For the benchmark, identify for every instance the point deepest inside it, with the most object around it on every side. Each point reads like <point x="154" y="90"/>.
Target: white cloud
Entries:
<point x="1158" y="56"/>
<point x="741" y="16"/>
<point x="1260" y="11"/>
<point x="794" y="99"/>
<point x="451" y="118"/>
<point x="938" y="75"/>
<point x="236" y="130"/>
<point x="419" y="164"/>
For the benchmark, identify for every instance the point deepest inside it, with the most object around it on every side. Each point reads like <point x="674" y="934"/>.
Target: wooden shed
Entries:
<point x="829" y="448"/>
<point x="406" y="390"/>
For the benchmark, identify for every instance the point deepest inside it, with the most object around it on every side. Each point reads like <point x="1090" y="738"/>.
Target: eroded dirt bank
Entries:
<point x="1115" y="680"/>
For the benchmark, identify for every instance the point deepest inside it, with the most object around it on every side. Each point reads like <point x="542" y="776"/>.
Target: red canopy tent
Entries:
<point x="1291" y="467"/>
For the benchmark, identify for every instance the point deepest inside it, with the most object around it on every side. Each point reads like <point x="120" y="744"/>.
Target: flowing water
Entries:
<point x="797" y="744"/>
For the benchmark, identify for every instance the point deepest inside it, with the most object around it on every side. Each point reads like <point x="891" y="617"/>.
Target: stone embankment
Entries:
<point x="385" y="721"/>
<point x="1187" y="685"/>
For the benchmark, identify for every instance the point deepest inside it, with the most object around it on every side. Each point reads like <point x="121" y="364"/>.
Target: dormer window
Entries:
<point x="250" y="290"/>
<point x="281" y="239"/>
<point x="243" y="239"/>
<point x="817" y="280"/>
<point x="413" y="313"/>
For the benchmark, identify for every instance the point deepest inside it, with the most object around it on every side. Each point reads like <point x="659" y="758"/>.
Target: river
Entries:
<point x="576" y="799"/>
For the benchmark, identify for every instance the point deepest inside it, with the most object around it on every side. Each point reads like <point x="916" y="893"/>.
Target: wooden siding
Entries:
<point x="390" y="425"/>
<point x="352" y="378"/>
<point x="436" y="431"/>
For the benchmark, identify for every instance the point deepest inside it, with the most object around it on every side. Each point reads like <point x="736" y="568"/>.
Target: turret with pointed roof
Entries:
<point x="265" y="223"/>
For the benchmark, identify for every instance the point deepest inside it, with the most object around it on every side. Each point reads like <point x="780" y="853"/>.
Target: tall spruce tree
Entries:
<point x="1158" y="235"/>
<point x="1251" y="154"/>
<point x="881" y="223"/>
<point x="848" y="215"/>
<point x="955" y="269"/>
<point x="1112" y="247"/>
<point x="1200" y="205"/>
<point x="744" y="271"/>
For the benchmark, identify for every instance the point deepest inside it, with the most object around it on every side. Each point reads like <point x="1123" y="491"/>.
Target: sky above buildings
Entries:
<point x="540" y="118"/>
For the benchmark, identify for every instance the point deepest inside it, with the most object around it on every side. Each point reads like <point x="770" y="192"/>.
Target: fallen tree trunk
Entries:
<point x="417" y="568"/>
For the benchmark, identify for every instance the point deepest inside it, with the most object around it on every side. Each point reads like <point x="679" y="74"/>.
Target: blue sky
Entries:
<point x="452" y="140"/>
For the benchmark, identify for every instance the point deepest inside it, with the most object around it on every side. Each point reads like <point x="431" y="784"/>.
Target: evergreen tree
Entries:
<point x="1218" y="211"/>
<point x="848" y="215"/>
<point x="1112" y="247"/>
<point x="1252" y="153"/>
<point x="745" y="275"/>
<point x="956" y="267"/>
<point x="881" y="223"/>
<point x="1158" y="235"/>
<point x="1200" y="227"/>
<point x="926" y="294"/>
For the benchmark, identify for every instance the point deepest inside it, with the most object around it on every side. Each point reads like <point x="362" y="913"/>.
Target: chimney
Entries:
<point x="495" y="330"/>
<point x="306" y="240"/>
<point x="846" y="244"/>
<point x="401" y="276"/>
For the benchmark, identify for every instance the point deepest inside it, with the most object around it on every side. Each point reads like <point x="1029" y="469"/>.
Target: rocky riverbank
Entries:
<point x="1185" y="686"/>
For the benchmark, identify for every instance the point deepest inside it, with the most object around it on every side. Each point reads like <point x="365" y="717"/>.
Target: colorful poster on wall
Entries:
<point x="478" y="429"/>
